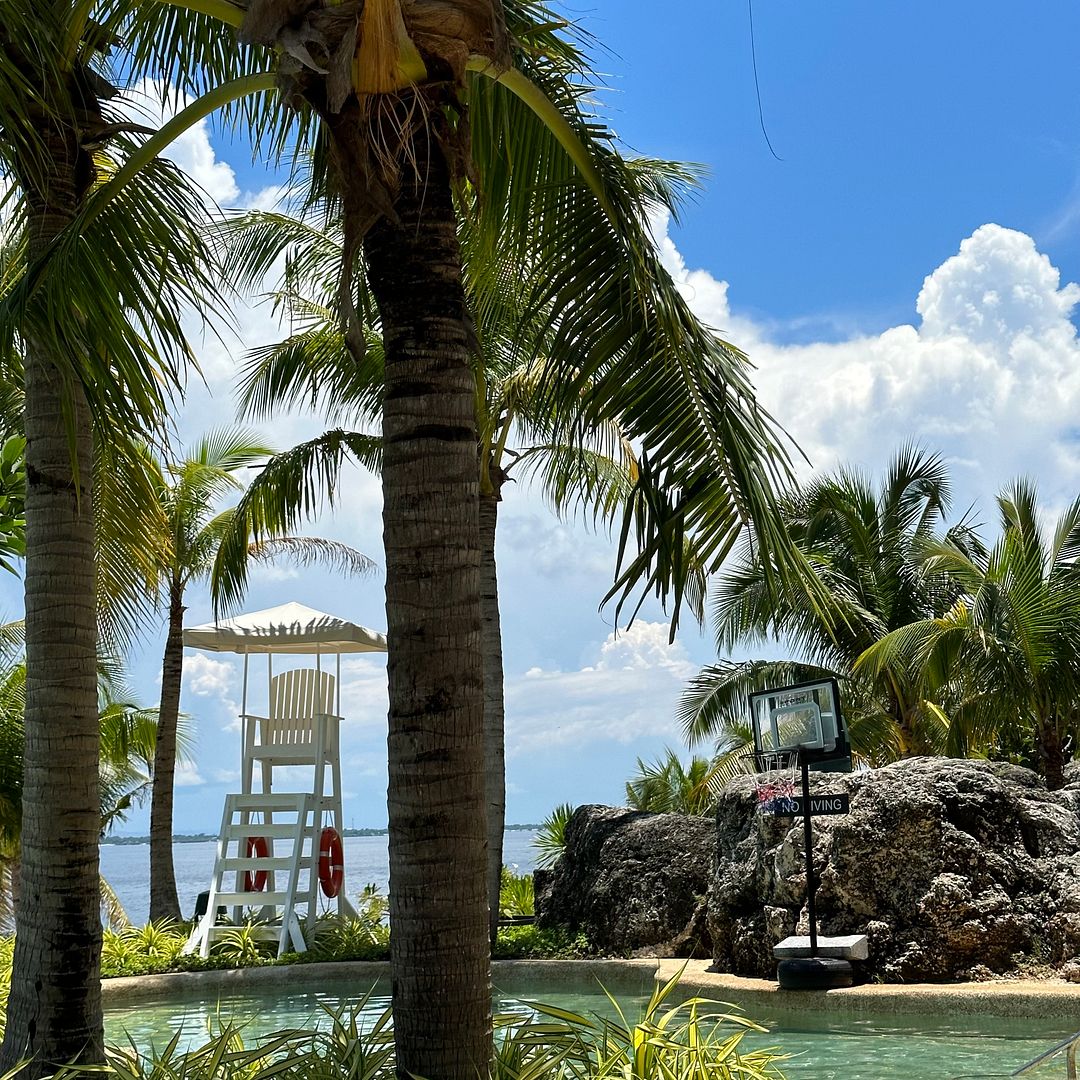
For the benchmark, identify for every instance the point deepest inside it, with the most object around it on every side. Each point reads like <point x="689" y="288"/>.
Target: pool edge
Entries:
<point x="1018" y="999"/>
<point x="1007" y="999"/>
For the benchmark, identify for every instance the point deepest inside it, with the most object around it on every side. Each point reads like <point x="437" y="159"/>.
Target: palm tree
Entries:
<point x="92" y="292"/>
<point x="12" y="500"/>
<point x="380" y="88"/>
<point x="1009" y="645"/>
<point x="668" y="786"/>
<point x="128" y="734"/>
<point x="866" y="548"/>
<point x="518" y="438"/>
<point x="158" y="543"/>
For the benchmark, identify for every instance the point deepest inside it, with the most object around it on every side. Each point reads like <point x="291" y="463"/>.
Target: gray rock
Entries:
<point x="634" y="883"/>
<point x="945" y="865"/>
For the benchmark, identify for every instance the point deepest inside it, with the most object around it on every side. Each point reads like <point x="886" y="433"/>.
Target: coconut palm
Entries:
<point x="518" y="438"/>
<point x="154" y="546"/>
<point x="1009" y="644"/>
<point x="404" y="105"/>
<point x="93" y="287"/>
<point x="128" y="734"/>
<point x="866" y="548"/>
<point x="668" y="786"/>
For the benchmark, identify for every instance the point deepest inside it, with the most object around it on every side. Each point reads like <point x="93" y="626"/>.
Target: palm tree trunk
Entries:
<point x="1052" y="756"/>
<point x="494" y="711"/>
<point x="164" y="904"/>
<point x="439" y="956"/>
<point x="54" y="1011"/>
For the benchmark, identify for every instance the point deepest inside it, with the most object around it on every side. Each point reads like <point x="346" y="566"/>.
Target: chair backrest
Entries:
<point x="301" y="694"/>
<point x="296" y="699"/>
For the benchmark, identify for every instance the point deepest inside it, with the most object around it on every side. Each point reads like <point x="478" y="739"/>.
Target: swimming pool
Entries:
<point x="820" y="1047"/>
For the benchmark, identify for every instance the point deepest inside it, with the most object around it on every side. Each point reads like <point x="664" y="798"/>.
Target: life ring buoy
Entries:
<point x="331" y="862"/>
<point x="257" y="847"/>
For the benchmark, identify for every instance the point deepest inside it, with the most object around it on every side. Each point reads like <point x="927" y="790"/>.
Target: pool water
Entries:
<point x="819" y="1047"/>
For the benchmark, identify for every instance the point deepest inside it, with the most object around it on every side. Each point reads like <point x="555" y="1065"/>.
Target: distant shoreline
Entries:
<point x="201" y="838"/>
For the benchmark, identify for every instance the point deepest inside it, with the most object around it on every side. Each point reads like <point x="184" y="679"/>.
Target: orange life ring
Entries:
<point x="331" y="862"/>
<point x="255" y="880"/>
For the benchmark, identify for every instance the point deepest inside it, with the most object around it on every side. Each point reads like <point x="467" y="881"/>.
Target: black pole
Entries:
<point x="808" y="841"/>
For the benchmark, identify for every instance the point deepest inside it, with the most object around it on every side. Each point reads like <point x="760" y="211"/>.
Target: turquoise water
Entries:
<point x="918" y="1048"/>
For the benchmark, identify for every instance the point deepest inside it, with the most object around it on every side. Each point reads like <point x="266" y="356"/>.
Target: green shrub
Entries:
<point x="550" y="839"/>
<point x="364" y="937"/>
<point x="684" y="1042"/>
<point x="534" y="943"/>
<point x="516" y="895"/>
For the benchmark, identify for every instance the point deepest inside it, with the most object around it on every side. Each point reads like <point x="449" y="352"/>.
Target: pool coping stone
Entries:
<point x="1008" y="999"/>
<point x="1027" y="998"/>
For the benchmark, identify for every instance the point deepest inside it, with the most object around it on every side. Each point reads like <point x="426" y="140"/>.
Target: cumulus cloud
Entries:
<point x="216" y="680"/>
<point x="187" y="775"/>
<point x="989" y="373"/>
<point x="628" y="692"/>
<point x="153" y="103"/>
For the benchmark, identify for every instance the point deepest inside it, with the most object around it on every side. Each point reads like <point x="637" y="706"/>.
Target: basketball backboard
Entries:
<point x="804" y="717"/>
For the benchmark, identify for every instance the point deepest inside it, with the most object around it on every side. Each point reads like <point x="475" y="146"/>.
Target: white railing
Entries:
<point x="1057" y="1063"/>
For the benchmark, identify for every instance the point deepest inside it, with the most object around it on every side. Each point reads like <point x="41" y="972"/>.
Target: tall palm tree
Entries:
<point x="517" y="435"/>
<point x="381" y="88"/>
<point x="866" y="548"/>
<point x="92" y="293"/>
<point x="1009" y="644"/>
<point x="154" y="547"/>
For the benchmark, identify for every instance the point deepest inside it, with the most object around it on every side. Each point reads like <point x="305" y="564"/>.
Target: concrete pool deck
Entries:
<point x="1014" y="999"/>
<point x="1043" y="999"/>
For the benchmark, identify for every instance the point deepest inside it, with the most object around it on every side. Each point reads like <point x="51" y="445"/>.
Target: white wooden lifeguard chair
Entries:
<point x="269" y="834"/>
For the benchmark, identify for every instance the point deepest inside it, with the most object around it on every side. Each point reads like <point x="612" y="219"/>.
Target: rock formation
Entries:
<point x="634" y="883"/>
<point x="952" y="868"/>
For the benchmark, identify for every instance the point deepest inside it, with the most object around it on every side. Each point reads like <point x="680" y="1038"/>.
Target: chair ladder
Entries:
<point x="277" y="917"/>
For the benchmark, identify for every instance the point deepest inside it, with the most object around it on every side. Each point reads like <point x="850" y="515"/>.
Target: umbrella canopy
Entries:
<point x="289" y="628"/>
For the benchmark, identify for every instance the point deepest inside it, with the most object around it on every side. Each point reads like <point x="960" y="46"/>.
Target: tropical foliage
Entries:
<point x="12" y="501"/>
<point x="161" y="524"/>
<point x="516" y="895"/>
<point x="866" y="548"/>
<point x="1005" y="655"/>
<point x="668" y="786"/>
<point x="114" y="252"/>
<point x="128" y="737"/>
<point x="665" y="1042"/>
<point x="106" y="251"/>
<point x="550" y="839"/>
<point x="942" y="643"/>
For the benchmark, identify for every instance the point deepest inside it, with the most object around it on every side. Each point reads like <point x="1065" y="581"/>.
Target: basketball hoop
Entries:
<point x="775" y="788"/>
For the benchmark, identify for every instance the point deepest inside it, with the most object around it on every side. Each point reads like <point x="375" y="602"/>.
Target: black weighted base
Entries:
<point x="813" y="973"/>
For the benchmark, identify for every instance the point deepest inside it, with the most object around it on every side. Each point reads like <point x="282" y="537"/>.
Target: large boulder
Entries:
<point x="633" y="883"/>
<point x="951" y="868"/>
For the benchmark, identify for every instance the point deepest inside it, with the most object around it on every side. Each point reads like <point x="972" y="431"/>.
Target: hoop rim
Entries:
<point x="773" y="760"/>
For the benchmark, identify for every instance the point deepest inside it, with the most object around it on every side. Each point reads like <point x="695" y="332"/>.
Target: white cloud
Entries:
<point x="187" y="775"/>
<point x="629" y="692"/>
<point x="990" y="375"/>
<point x="216" y="680"/>
<point x="364" y="700"/>
<point x="192" y="150"/>
<point x="208" y="677"/>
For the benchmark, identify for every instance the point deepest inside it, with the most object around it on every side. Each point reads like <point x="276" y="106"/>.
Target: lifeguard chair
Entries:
<point x="283" y="846"/>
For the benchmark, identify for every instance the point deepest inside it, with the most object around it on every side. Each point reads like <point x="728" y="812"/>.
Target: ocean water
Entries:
<point x="126" y="867"/>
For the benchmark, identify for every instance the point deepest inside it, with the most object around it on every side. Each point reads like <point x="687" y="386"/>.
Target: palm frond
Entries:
<point x="289" y="489"/>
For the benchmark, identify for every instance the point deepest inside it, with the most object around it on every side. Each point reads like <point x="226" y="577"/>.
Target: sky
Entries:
<point x="903" y="267"/>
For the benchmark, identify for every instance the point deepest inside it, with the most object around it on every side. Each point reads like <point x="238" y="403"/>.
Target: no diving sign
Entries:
<point x="792" y="805"/>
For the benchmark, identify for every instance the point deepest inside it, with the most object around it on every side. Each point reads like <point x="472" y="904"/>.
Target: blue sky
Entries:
<point x="903" y="272"/>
